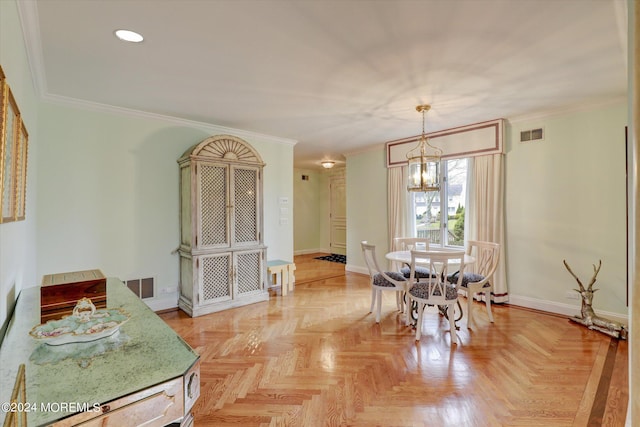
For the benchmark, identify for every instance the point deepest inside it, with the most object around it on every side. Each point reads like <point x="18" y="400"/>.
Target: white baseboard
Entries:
<point x="562" y="308"/>
<point x="311" y="251"/>
<point x="165" y="302"/>
<point x="356" y="269"/>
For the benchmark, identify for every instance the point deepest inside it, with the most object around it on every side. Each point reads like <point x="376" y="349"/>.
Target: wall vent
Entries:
<point x="532" y="135"/>
<point x="143" y="288"/>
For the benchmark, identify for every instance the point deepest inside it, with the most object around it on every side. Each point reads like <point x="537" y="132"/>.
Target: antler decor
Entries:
<point x="588" y="317"/>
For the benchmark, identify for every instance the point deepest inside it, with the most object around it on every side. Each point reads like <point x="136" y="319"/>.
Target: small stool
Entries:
<point x="285" y="269"/>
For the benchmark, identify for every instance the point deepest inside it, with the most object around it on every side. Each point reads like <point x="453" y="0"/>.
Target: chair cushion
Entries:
<point x="468" y="278"/>
<point x="421" y="272"/>
<point x="379" y="280"/>
<point x="421" y="290"/>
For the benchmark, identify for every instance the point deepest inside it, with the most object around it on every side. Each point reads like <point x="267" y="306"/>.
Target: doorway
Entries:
<point x="338" y="212"/>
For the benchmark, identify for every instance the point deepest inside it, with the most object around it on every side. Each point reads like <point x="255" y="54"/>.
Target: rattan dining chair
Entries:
<point x="438" y="289"/>
<point x="382" y="280"/>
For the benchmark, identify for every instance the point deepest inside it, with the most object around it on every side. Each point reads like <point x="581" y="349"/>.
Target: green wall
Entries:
<point x="311" y="213"/>
<point x="366" y="206"/>
<point x="566" y="199"/>
<point x="307" y="211"/>
<point x="108" y="194"/>
<point x="17" y="239"/>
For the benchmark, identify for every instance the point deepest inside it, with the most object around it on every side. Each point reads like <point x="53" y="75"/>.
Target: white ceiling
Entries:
<point x="338" y="76"/>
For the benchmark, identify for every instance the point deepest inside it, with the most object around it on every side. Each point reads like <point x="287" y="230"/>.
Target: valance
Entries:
<point x="479" y="139"/>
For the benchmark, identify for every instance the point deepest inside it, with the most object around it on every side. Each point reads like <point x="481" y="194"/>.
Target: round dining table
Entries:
<point x="405" y="257"/>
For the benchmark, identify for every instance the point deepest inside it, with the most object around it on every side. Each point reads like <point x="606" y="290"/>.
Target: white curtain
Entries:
<point x="485" y="214"/>
<point x="397" y="203"/>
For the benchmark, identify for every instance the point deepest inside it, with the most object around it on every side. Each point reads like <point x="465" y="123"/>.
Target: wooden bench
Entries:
<point x="285" y="270"/>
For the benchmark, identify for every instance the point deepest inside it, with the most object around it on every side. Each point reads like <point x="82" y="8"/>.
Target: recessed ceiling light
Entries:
<point x="129" y="36"/>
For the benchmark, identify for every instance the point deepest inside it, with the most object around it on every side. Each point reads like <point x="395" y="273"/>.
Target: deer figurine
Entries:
<point x="588" y="317"/>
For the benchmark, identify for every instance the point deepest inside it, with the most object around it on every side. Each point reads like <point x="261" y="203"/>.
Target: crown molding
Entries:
<point x="129" y="112"/>
<point x="30" y="23"/>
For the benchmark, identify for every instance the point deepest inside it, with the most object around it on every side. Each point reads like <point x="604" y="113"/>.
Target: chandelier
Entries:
<point x="424" y="162"/>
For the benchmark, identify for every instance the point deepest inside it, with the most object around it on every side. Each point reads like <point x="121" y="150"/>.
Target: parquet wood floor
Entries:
<point x="317" y="358"/>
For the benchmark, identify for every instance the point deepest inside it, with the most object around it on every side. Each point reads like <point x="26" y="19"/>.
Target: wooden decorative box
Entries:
<point x="60" y="292"/>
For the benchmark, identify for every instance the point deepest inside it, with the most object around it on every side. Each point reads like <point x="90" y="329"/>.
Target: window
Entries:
<point x="440" y="215"/>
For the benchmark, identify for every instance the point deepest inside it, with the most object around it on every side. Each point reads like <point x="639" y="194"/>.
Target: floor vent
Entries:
<point x="532" y="135"/>
<point x="143" y="288"/>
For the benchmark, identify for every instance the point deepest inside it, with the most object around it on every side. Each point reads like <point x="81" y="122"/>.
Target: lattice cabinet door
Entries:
<point x="248" y="272"/>
<point x="222" y="251"/>
<point x="245" y="193"/>
<point x="215" y="278"/>
<point x="212" y="219"/>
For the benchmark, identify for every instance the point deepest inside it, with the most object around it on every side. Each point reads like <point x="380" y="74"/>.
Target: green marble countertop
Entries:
<point x="144" y="352"/>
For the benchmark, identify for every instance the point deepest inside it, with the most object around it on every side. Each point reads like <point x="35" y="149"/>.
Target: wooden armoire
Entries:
<point x="222" y="254"/>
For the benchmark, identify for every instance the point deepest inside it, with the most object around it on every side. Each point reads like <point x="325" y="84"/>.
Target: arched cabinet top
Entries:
<point x="227" y="148"/>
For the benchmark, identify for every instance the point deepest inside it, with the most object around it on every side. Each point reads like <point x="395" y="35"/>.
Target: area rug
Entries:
<point x="334" y="258"/>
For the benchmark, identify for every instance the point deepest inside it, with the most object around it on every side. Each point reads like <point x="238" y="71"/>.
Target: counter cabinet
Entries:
<point x="142" y="374"/>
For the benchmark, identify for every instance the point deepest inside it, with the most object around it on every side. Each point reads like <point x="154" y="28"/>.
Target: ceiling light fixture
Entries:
<point x="328" y="164"/>
<point x="129" y="36"/>
<point x="424" y="162"/>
